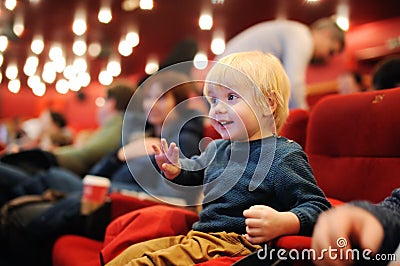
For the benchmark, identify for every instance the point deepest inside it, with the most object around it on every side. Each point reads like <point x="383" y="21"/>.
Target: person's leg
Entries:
<point x="62" y="179"/>
<point x="194" y="248"/>
<point x="10" y="176"/>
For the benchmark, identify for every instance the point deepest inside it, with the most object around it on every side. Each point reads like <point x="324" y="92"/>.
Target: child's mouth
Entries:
<point x="224" y="123"/>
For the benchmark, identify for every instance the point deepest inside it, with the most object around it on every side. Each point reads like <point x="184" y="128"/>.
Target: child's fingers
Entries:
<point x="169" y="168"/>
<point x="156" y="149"/>
<point x="253" y="222"/>
<point x="164" y="145"/>
<point x="175" y="156"/>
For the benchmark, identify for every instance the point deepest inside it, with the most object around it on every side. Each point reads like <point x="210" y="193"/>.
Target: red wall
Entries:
<point x="80" y="114"/>
<point x="365" y="45"/>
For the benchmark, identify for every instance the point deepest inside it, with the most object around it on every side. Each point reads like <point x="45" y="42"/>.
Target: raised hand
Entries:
<point x="167" y="159"/>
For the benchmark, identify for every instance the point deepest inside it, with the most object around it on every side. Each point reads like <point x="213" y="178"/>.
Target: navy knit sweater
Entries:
<point x="237" y="175"/>
<point x="388" y="214"/>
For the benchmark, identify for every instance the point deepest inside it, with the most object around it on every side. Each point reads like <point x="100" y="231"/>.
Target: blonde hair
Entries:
<point x="264" y="74"/>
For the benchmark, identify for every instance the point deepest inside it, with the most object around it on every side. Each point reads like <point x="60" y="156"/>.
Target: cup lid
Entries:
<point x="96" y="181"/>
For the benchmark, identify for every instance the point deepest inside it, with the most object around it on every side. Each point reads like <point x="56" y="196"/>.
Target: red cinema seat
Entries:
<point x="295" y="127"/>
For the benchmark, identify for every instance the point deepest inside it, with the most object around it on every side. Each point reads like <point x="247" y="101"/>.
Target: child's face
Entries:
<point x="234" y="114"/>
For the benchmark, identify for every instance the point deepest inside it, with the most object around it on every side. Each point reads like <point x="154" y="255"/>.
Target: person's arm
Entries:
<point x="388" y="214"/>
<point x="104" y="140"/>
<point x="297" y="52"/>
<point x="359" y="224"/>
<point x="137" y="148"/>
<point x="344" y="228"/>
<point x="298" y="191"/>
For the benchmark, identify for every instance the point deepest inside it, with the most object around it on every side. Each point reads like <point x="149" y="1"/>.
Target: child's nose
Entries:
<point x="220" y="107"/>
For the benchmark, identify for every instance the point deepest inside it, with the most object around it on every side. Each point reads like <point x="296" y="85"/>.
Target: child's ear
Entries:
<point x="272" y="103"/>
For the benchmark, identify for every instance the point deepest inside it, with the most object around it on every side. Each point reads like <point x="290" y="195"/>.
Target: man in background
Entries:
<point x="295" y="44"/>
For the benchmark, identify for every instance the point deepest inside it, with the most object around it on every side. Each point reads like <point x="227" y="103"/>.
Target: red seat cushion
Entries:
<point x="70" y="250"/>
<point x="145" y="224"/>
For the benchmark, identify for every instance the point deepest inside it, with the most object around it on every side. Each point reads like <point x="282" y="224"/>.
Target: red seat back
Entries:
<point x="353" y="147"/>
<point x="295" y="127"/>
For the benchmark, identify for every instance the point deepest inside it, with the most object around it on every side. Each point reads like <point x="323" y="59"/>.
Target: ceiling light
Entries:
<point x="62" y="86"/>
<point x="39" y="89"/>
<point x="12" y="71"/>
<point x="100" y="101"/>
<point x="342" y="16"/>
<point x="146" y="4"/>
<point x="218" y="45"/>
<point x="200" y="61"/>
<point x="3" y="43"/>
<point x="37" y="44"/>
<point x="79" y="26"/>
<point x="94" y="49"/>
<point x="79" y="47"/>
<point x="129" y="5"/>
<point x="124" y="48"/>
<point x="105" y="14"/>
<point x="132" y="38"/>
<point x="14" y="85"/>
<point x="205" y="21"/>
<point x="33" y="81"/>
<point x="114" y="67"/>
<point x="151" y="66"/>
<point x="83" y="78"/>
<point x="10" y="4"/>
<point x="105" y="78"/>
<point x="79" y="65"/>
<point x="74" y="84"/>
<point x="31" y="65"/>
<point x="55" y="52"/>
<point x="18" y="27"/>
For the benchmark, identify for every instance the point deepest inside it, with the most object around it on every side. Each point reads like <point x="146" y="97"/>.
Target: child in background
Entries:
<point x="257" y="186"/>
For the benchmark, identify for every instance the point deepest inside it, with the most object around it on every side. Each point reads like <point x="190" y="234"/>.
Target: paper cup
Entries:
<point x="95" y="190"/>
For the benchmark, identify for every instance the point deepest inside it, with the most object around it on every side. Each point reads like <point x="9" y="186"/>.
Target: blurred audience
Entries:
<point x="47" y="131"/>
<point x="387" y="74"/>
<point x="104" y="140"/>
<point x="130" y="168"/>
<point x="350" y="82"/>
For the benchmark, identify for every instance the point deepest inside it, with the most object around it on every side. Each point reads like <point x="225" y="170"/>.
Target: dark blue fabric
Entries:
<point x="287" y="183"/>
<point x="388" y="213"/>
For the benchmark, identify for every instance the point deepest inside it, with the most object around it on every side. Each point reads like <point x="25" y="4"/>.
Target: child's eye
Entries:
<point x="214" y="100"/>
<point x="232" y="97"/>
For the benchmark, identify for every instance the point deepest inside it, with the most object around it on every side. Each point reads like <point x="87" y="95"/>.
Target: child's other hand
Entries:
<point x="168" y="159"/>
<point x="264" y="223"/>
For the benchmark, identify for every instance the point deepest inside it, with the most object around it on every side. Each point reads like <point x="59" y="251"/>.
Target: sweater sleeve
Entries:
<point x="193" y="169"/>
<point x="388" y="214"/>
<point x="297" y="190"/>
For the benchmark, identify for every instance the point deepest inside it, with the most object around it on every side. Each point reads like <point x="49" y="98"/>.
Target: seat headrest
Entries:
<point x="357" y="125"/>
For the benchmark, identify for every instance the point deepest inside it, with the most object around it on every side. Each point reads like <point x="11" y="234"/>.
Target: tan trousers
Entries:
<point x="191" y="249"/>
